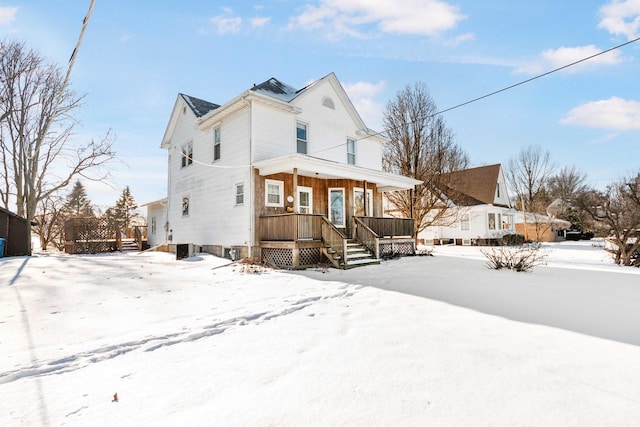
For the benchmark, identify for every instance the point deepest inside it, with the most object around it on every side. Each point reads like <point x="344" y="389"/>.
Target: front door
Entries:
<point x="336" y="207"/>
<point x="305" y="200"/>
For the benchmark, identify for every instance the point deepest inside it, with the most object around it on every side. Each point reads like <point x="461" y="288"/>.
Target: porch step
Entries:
<point x="129" y="245"/>
<point x="358" y="255"/>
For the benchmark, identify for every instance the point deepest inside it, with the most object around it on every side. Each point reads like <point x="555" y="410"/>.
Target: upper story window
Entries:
<point x="274" y="193"/>
<point x="187" y="154"/>
<point x="216" y="143"/>
<point x="351" y="151"/>
<point x="301" y="138"/>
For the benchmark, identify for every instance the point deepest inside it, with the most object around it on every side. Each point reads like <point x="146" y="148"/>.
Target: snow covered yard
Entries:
<point x="440" y="341"/>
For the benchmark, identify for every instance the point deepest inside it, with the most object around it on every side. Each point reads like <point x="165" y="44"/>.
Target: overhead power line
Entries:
<point x="536" y="77"/>
<point x="555" y="70"/>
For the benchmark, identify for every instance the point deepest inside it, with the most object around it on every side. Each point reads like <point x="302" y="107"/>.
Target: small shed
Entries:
<point x="14" y="230"/>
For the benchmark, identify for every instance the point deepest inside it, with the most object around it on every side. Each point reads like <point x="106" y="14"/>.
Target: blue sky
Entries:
<point x="137" y="56"/>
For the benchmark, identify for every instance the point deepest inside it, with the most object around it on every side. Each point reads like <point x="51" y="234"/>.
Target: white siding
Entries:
<point x="213" y="218"/>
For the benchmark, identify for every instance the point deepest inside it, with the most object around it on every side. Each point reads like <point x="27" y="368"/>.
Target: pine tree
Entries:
<point x="77" y="203"/>
<point x="123" y="211"/>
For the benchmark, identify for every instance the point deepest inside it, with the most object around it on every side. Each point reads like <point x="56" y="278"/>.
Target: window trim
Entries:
<point x="186" y="154"/>
<point x="241" y="186"/>
<point x="489" y="224"/>
<point x="465" y="222"/>
<point x="351" y="154"/>
<point x="369" y="207"/>
<point x="187" y="212"/>
<point x="306" y="190"/>
<point x="343" y="224"/>
<point x="216" y="143"/>
<point x="280" y="185"/>
<point x="306" y="137"/>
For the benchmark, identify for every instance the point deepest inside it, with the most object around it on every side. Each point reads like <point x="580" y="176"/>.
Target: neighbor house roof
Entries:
<point x="475" y="186"/>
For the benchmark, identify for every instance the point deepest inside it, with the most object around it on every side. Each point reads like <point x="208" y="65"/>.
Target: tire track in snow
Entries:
<point x="152" y="343"/>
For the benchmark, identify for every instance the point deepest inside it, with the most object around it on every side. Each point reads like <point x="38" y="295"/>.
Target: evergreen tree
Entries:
<point x="124" y="210"/>
<point x="77" y="203"/>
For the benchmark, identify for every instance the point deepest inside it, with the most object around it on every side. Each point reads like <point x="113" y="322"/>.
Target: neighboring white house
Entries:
<point x="256" y="176"/>
<point x="481" y="211"/>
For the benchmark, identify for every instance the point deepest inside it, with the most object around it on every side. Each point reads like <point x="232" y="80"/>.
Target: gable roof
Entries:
<point x="475" y="186"/>
<point x="276" y="89"/>
<point x="199" y="106"/>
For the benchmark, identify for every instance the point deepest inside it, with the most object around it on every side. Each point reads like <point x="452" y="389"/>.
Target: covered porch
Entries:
<point x="331" y="212"/>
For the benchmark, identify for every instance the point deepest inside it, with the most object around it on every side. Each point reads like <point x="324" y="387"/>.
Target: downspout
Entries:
<point x="252" y="217"/>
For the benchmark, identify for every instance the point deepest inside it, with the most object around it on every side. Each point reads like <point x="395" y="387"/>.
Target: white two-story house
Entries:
<point x="289" y="177"/>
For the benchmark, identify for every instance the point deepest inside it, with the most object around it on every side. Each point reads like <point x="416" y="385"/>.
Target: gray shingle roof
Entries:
<point x="199" y="107"/>
<point x="276" y="89"/>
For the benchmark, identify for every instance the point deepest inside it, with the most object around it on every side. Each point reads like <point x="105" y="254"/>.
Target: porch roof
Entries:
<point x="326" y="169"/>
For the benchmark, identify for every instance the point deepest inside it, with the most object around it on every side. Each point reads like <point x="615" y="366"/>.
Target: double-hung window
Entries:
<point x="351" y="151"/>
<point x="492" y="221"/>
<point x="216" y="143"/>
<point x="301" y="138"/>
<point x="239" y="194"/>
<point x="274" y="193"/>
<point x="464" y="222"/>
<point x="187" y="154"/>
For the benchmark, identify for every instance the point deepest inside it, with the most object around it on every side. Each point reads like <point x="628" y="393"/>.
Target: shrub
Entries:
<point x="518" y="258"/>
<point x="513" y="239"/>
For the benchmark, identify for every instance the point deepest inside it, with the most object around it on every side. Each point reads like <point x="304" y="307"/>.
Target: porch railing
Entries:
<point x="334" y="239"/>
<point x="391" y="227"/>
<point x="366" y="236"/>
<point x="291" y="227"/>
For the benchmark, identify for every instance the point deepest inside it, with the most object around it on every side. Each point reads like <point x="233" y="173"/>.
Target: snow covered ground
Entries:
<point x="438" y="341"/>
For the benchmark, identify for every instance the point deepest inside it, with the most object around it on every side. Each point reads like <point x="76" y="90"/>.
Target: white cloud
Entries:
<point x="552" y="59"/>
<point x="225" y="23"/>
<point x="621" y="17"/>
<point x="614" y="113"/>
<point x="259" y="21"/>
<point x="346" y="18"/>
<point x="462" y="38"/>
<point x="362" y="94"/>
<point x="7" y="15"/>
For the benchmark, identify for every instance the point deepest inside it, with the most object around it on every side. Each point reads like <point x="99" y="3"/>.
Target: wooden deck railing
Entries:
<point x="366" y="236"/>
<point x="291" y="227"/>
<point x="391" y="227"/>
<point x="334" y="238"/>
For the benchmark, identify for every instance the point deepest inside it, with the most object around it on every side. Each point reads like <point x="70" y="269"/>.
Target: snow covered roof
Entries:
<point x="276" y="89"/>
<point x="199" y="107"/>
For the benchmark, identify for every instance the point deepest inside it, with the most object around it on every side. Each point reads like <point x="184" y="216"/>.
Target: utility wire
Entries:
<point x="511" y="86"/>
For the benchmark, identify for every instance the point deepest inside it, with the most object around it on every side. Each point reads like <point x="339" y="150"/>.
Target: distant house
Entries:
<point x="481" y="212"/>
<point x="541" y="228"/>
<point x="14" y="229"/>
<point x="280" y="175"/>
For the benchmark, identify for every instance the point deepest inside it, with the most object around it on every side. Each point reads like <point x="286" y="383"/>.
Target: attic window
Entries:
<point x="328" y="102"/>
<point x="184" y="110"/>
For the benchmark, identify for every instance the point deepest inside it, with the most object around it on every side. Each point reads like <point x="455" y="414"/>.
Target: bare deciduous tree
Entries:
<point x="528" y="174"/>
<point x="421" y="147"/>
<point x="39" y="154"/>
<point x="618" y="207"/>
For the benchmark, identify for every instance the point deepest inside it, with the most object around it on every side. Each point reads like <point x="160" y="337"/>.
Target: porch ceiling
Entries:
<point x="326" y="169"/>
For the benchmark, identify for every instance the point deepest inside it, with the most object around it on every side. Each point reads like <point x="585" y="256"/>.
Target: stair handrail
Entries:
<point x="334" y="238"/>
<point x="367" y="237"/>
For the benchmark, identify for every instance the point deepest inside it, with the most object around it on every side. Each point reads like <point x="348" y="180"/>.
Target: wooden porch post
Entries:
<point x="296" y="202"/>
<point x="365" y="197"/>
